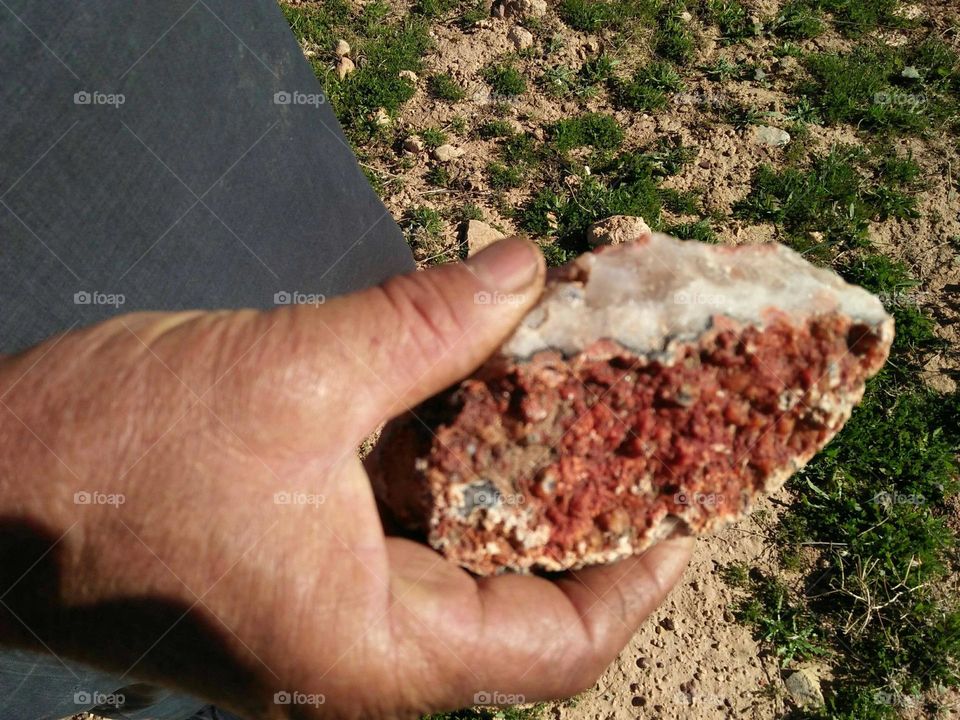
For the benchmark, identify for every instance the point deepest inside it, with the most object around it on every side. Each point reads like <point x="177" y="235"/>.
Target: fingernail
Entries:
<point x="508" y="265"/>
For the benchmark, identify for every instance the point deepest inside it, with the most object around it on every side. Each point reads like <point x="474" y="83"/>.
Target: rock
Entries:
<point x="686" y="16"/>
<point x="414" y="144"/>
<point x="446" y="153"/>
<point x="617" y="229"/>
<point x="720" y="371"/>
<point x="759" y="75"/>
<point x="768" y="135"/>
<point x="345" y="66"/>
<point x="343" y="48"/>
<point x="479" y="235"/>
<point x="804" y="687"/>
<point x="409" y="75"/>
<point x="520" y="37"/>
<point x="910" y="72"/>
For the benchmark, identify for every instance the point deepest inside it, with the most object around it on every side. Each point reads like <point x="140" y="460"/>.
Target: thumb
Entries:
<point x="416" y="334"/>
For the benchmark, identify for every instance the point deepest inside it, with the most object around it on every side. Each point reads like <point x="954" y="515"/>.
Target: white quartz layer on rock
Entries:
<point x="647" y="293"/>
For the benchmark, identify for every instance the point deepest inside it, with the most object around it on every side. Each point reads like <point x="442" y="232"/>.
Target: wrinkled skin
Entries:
<point x="197" y="420"/>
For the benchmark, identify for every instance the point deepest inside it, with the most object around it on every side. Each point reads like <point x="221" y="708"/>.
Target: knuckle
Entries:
<point x="427" y="317"/>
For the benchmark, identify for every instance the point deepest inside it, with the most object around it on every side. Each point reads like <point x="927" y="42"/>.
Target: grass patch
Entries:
<point x="495" y="129"/>
<point x="731" y="18"/>
<point x="389" y="44"/>
<point x="627" y="184"/>
<point x="499" y="713"/>
<point x="674" y="40"/>
<point x="433" y="137"/>
<point x="444" y="87"/>
<point x="596" y="130"/>
<point x="835" y="198"/>
<point x="505" y="79"/>
<point x="648" y="88"/>
<point x="596" y="15"/>
<point x="866" y="87"/>
<point x="503" y="177"/>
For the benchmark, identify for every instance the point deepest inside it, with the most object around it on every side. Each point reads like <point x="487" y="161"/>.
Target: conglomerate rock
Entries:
<point x="656" y="384"/>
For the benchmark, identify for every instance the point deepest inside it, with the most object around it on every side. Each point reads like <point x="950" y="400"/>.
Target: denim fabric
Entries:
<point x="160" y="156"/>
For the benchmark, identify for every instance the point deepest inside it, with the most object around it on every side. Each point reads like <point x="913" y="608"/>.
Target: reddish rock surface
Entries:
<point x="557" y="461"/>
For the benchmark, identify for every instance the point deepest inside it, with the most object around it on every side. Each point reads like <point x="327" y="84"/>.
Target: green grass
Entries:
<point x="778" y="617"/>
<point x="505" y="79"/>
<point x="732" y="19"/>
<point x="495" y="129"/>
<point x="444" y="87"/>
<point x="595" y="15"/>
<point x="503" y="177"/>
<point x="674" y="40"/>
<point x="865" y="86"/>
<point x="563" y="81"/>
<point x="388" y="43"/>
<point x="833" y="197"/>
<point x="799" y="20"/>
<point x="596" y="130"/>
<point x="649" y="88"/>
<point x="626" y="184"/>
<point x="433" y="137"/>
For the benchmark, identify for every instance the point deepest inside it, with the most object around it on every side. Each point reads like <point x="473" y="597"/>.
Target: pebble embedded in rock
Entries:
<point x="804" y="687"/>
<point x="414" y="144"/>
<point x="520" y="37"/>
<point x="617" y="229"/>
<point x="345" y="66"/>
<point x="446" y="153"/>
<point x="480" y="235"/>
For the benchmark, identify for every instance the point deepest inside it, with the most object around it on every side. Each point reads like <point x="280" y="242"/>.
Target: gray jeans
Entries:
<point x="160" y="156"/>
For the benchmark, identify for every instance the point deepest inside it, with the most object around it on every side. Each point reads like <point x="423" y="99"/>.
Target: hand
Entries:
<point x="179" y="567"/>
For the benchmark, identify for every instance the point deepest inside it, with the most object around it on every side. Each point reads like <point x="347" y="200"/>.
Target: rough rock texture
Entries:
<point x="656" y="383"/>
<point x="479" y="235"/>
<point x="617" y="229"/>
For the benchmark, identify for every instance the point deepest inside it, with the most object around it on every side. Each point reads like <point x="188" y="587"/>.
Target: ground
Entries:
<point x="828" y="125"/>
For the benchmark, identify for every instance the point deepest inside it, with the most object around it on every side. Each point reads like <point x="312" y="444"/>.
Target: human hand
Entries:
<point x="179" y="567"/>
